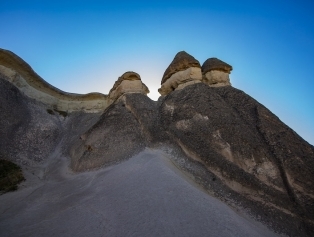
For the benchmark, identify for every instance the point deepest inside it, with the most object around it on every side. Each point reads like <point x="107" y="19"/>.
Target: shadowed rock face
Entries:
<point x="223" y="139"/>
<point x="124" y="129"/>
<point x="237" y="149"/>
<point x="249" y="150"/>
<point x="29" y="134"/>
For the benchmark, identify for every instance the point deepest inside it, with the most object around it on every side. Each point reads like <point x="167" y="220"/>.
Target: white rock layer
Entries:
<point x="216" y="78"/>
<point x="181" y="79"/>
<point x="128" y="86"/>
<point x="70" y="105"/>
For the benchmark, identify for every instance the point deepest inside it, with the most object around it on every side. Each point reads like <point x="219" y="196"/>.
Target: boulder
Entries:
<point x="216" y="72"/>
<point x="129" y="82"/>
<point x="183" y="70"/>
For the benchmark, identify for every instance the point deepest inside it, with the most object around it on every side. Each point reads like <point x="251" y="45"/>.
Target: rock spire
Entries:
<point x="216" y="72"/>
<point x="129" y="82"/>
<point x="182" y="71"/>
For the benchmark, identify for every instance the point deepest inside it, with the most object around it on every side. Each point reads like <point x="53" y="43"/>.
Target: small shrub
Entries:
<point x="10" y="176"/>
<point x="50" y="111"/>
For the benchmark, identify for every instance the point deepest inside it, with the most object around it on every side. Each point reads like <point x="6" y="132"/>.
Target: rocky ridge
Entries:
<point x="224" y="140"/>
<point x="20" y="74"/>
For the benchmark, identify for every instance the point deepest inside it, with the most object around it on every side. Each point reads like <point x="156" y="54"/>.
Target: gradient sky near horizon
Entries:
<point x="84" y="46"/>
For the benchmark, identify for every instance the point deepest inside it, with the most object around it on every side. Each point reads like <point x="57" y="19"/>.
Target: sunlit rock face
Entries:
<point x="181" y="79"/>
<point x="129" y="82"/>
<point x="21" y="75"/>
<point x="184" y="70"/>
<point x="216" y="73"/>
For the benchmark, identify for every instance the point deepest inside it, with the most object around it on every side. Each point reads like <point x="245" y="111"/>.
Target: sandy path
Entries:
<point x="144" y="196"/>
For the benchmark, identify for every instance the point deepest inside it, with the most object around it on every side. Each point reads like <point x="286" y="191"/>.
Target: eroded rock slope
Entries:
<point x="223" y="139"/>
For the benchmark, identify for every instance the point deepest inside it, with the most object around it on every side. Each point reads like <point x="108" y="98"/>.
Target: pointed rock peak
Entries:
<point x="215" y="64"/>
<point x="181" y="62"/>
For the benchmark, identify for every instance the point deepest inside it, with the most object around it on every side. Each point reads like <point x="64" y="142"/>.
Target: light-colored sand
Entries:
<point x="144" y="196"/>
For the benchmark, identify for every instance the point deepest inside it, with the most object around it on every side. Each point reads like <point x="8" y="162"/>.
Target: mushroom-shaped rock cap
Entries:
<point x="131" y="76"/>
<point x="215" y="64"/>
<point x="181" y="61"/>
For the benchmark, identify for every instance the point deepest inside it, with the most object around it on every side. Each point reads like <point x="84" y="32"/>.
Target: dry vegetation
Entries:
<point x="10" y="176"/>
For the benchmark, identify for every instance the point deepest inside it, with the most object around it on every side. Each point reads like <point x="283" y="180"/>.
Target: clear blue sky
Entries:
<point x="84" y="46"/>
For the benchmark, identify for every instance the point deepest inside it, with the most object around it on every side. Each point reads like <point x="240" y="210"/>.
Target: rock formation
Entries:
<point x="183" y="70"/>
<point x="216" y="72"/>
<point x="219" y="137"/>
<point x="129" y="82"/>
<point x="20" y="74"/>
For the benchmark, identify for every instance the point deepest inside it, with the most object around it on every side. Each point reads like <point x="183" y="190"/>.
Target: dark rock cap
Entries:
<point x="181" y="61"/>
<point x="131" y="76"/>
<point x="215" y="64"/>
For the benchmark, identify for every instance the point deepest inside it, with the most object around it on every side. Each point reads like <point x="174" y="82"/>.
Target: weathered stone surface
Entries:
<point x="123" y="130"/>
<point x="249" y="156"/>
<point x="227" y="142"/>
<point x="181" y="79"/>
<point x="129" y="82"/>
<point x="20" y="74"/>
<point x="29" y="134"/>
<point x="131" y="76"/>
<point x="184" y="70"/>
<point x="216" y="73"/>
<point x="215" y="64"/>
<point x="216" y="78"/>
<point x="181" y="62"/>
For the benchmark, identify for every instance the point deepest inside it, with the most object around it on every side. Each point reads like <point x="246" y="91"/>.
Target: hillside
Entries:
<point x="205" y="159"/>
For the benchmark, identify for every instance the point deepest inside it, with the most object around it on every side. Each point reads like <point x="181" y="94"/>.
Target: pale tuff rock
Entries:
<point x="181" y="61"/>
<point x="20" y="74"/>
<point x="129" y="82"/>
<point x="226" y="142"/>
<point x="216" y="73"/>
<point x="183" y="70"/>
<point x="181" y="79"/>
<point x="90" y="103"/>
<point x="216" y="78"/>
